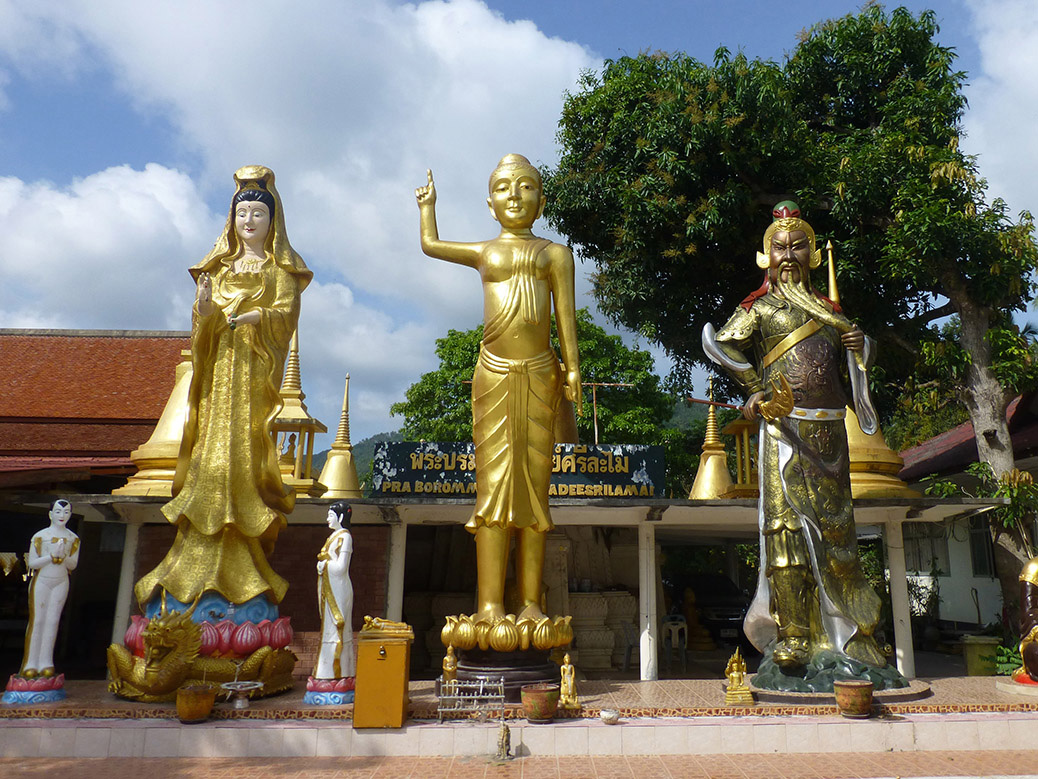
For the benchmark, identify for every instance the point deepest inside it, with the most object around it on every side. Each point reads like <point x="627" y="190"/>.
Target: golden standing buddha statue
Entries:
<point x="518" y="382"/>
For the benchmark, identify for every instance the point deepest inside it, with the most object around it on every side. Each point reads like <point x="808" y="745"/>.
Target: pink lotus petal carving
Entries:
<point x="330" y="685"/>
<point x="246" y="639"/>
<point x="226" y="629"/>
<point x="210" y="639"/>
<point x="281" y="633"/>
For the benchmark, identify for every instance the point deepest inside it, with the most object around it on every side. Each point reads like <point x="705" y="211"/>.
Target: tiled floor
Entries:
<point x="928" y="734"/>
<point x="845" y="764"/>
<point x="94" y="734"/>
<point x="671" y="697"/>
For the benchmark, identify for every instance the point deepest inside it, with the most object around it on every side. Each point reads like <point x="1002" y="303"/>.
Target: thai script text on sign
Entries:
<point x="448" y="469"/>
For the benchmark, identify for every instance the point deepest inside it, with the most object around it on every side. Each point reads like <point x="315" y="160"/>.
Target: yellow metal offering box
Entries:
<point x="383" y="662"/>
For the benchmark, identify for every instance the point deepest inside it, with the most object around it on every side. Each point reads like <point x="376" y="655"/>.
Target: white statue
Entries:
<point x="53" y="552"/>
<point x="337" y="658"/>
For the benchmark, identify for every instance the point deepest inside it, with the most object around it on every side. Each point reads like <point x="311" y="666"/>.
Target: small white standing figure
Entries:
<point x="337" y="658"/>
<point x="53" y="553"/>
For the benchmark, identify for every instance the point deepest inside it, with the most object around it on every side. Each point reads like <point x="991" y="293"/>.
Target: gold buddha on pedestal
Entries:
<point x="516" y="391"/>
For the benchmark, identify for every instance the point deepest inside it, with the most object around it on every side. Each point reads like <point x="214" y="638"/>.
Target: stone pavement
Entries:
<point x="849" y="765"/>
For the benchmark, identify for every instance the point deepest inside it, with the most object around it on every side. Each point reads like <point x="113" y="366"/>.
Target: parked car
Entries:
<point x="721" y="605"/>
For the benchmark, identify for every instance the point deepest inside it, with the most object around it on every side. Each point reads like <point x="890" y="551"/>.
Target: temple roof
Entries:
<point x="77" y="402"/>
<point x="951" y="451"/>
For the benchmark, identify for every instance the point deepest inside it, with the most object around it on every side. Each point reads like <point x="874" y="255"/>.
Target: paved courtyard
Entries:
<point x="849" y="765"/>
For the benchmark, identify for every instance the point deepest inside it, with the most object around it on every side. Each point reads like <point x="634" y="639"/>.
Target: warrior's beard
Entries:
<point x="788" y="273"/>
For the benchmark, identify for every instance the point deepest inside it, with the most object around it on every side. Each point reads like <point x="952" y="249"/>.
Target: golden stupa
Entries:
<point x="712" y="479"/>
<point x="874" y="467"/>
<point x="156" y="458"/>
<point x="339" y="474"/>
<point x="295" y="429"/>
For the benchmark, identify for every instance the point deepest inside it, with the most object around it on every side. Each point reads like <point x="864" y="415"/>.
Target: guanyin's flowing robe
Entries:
<point x="230" y="502"/>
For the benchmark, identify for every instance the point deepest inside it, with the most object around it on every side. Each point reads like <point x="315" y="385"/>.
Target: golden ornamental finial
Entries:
<point x="292" y="383"/>
<point x="342" y="436"/>
<point x="834" y="293"/>
<point x="713" y="438"/>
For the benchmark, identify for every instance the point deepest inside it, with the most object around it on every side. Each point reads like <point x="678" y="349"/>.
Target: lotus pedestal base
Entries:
<point x="518" y="669"/>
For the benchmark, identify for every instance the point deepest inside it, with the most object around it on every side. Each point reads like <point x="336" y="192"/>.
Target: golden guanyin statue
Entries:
<point x="516" y="391"/>
<point x="229" y="502"/>
<point x="814" y="613"/>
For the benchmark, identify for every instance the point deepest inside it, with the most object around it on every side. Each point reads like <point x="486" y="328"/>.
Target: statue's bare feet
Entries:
<point x="531" y="611"/>
<point x="492" y="613"/>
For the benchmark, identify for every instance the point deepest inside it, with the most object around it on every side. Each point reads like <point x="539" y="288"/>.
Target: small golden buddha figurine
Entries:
<point x="504" y="743"/>
<point x="568" y="689"/>
<point x="518" y="382"/>
<point x="288" y="452"/>
<point x="385" y="625"/>
<point x="450" y="666"/>
<point x="737" y="693"/>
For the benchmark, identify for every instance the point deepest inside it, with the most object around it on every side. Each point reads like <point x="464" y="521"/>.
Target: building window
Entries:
<point x="926" y="547"/>
<point x="981" y="552"/>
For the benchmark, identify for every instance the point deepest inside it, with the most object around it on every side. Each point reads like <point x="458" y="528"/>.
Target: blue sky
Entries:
<point x="121" y="123"/>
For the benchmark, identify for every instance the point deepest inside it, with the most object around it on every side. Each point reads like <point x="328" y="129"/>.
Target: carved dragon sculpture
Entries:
<point x="171" y="644"/>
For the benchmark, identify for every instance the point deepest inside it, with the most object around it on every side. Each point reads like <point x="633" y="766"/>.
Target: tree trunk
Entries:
<point x="986" y="401"/>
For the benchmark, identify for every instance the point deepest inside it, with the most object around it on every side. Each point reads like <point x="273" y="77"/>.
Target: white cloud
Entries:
<point x="349" y="102"/>
<point x="37" y="37"/>
<point x="1003" y="97"/>
<point x="109" y="251"/>
<point x="383" y="356"/>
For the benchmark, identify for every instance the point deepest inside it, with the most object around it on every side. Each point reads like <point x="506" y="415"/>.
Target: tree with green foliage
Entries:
<point x="438" y="407"/>
<point x="670" y="167"/>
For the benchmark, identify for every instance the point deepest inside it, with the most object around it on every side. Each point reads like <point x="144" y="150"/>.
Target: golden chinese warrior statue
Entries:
<point x="1029" y="617"/>
<point x="814" y="613"/>
<point x="517" y="385"/>
<point x="229" y="502"/>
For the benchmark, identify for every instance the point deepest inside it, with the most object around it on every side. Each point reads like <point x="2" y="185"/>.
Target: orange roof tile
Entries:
<point x="96" y="375"/>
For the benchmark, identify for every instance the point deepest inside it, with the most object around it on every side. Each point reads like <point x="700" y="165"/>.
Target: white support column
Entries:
<point x="395" y="572"/>
<point x="895" y="549"/>
<point x="124" y="595"/>
<point x="647" y="600"/>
